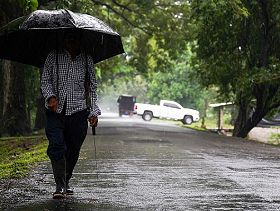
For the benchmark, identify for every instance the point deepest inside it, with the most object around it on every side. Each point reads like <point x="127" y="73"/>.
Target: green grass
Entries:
<point x="274" y="138"/>
<point x="210" y="123"/>
<point x="19" y="154"/>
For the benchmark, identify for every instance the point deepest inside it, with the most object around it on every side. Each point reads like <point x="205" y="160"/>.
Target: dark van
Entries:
<point x="126" y="104"/>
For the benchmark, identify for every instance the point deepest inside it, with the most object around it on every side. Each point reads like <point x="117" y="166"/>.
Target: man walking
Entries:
<point x="63" y="87"/>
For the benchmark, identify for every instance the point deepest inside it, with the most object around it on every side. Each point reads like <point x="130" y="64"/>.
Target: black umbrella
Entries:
<point x="29" y="39"/>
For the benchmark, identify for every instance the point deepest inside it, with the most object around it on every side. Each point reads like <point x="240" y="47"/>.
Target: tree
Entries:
<point x="34" y="100"/>
<point x="13" y="111"/>
<point x="238" y="51"/>
<point x="176" y="84"/>
<point x="156" y="30"/>
<point x="14" y="119"/>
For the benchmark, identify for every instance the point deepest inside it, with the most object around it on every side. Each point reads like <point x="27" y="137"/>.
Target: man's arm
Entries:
<point x="47" y="84"/>
<point x="94" y="108"/>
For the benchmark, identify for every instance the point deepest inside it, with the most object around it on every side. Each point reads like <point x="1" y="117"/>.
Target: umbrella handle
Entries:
<point x="93" y="130"/>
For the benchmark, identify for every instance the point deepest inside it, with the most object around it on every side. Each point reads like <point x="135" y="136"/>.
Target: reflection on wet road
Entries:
<point x="135" y="165"/>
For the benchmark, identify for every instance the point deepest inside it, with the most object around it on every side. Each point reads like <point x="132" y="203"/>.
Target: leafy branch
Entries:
<point x="28" y="5"/>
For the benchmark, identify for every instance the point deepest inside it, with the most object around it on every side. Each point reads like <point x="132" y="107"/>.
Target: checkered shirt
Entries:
<point x="71" y="82"/>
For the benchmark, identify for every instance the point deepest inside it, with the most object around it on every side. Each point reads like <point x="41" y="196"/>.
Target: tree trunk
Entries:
<point x="12" y="110"/>
<point x="238" y="123"/>
<point x="244" y="125"/>
<point x="40" y="120"/>
<point x="9" y="10"/>
<point x="206" y="104"/>
<point x="14" y="118"/>
<point x="249" y="125"/>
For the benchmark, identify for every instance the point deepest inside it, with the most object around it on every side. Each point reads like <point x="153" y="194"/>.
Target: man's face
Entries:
<point x="72" y="42"/>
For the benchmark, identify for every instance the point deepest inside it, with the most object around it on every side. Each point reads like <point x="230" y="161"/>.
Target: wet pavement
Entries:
<point x="135" y="165"/>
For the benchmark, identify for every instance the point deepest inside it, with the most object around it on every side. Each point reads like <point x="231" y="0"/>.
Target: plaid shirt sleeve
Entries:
<point x="47" y="79"/>
<point x="94" y="109"/>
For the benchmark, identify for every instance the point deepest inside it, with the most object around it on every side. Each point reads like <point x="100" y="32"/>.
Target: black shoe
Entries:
<point x="59" y="168"/>
<point x="69" y="191"/>
<point x="58" y="194"/>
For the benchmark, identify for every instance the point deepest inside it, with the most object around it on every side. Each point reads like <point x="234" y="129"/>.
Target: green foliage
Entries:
<point x="153" y="42"/>
<point x="19" y="154"/>
<point x="274" y="138"/>
<point x="218" y="48"/>
<point x="272" y="114"/>
<point x="28" y="4"/>
<point x="237" y="52"/>
<point x="176" y="84"/>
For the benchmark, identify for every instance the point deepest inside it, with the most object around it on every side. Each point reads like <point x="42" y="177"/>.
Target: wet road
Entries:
<point x="135" y="165"/>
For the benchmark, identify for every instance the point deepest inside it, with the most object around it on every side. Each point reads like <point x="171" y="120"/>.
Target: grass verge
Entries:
<point x="19" y="154"/>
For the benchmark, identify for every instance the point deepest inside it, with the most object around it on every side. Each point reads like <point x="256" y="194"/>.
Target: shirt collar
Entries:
<point x="66" y="53"/>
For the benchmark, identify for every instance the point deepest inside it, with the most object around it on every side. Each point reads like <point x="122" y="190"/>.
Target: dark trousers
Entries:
<point x="66" y="134"/>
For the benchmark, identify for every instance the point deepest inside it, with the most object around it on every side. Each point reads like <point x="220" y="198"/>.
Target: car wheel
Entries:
<point x="187" y="120"/>
<point x="147" y="116"/>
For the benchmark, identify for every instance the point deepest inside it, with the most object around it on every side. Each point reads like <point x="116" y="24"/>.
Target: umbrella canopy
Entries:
<point x="29" y="39"/>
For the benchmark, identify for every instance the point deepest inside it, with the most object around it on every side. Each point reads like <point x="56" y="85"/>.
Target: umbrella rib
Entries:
<point x="70" y="17"/>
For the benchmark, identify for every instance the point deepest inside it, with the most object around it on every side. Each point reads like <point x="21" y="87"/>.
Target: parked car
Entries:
<point x="167" y="110"/>
<point x="126" y="104"/>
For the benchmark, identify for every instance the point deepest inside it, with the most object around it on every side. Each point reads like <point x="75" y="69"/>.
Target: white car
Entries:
<point x="167" y="110"/>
